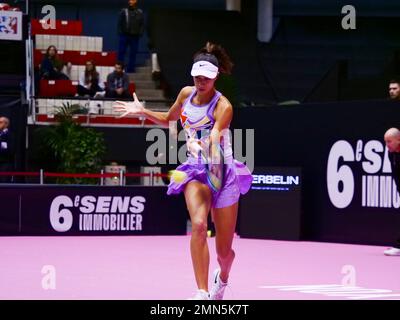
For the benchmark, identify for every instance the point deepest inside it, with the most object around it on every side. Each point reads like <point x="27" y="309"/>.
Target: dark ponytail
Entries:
<point x="224" y="61"/>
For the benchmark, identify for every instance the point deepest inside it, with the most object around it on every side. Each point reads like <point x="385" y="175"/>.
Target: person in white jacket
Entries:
<point x="90" y="81"/>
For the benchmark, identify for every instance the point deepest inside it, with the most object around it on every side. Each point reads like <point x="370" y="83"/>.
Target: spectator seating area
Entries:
<point x="75" y="43"/>
<point x="79" y="57"/>
<point x="62" y="27"/>
<point x="75" y="48"/>
<point x="64" y="88"/>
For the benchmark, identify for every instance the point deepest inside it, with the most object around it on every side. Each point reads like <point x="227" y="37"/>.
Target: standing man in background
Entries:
<point x="5" y="152"/>
<point x="394" y="89"/>
<point x="392" y="141"/>
<point x="130" y="29"/>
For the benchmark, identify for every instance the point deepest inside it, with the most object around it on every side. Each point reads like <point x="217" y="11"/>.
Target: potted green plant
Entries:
<point x="76" y="149"/>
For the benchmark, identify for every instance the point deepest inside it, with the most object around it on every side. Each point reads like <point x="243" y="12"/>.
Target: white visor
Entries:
<point x="205" y="69"/>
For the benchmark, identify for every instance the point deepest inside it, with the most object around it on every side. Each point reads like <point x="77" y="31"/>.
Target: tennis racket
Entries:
<point x="214" y="165"/>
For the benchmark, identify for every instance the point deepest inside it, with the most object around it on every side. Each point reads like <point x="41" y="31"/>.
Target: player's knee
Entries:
<point x="199" y="226"/>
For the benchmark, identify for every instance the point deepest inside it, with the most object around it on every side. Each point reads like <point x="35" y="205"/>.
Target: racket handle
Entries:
<point x="196" y="147"/>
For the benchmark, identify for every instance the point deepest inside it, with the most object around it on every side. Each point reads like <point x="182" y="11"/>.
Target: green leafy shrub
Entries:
<point x="76" y="149"/>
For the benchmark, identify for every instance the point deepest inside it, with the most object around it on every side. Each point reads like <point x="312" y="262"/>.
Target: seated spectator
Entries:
<point x="90" y="82"/>
<point x="6" y="156"/>
<point x="394" y="89"/>
<point x="118" y="83"/>
<point x="52" y="66"/>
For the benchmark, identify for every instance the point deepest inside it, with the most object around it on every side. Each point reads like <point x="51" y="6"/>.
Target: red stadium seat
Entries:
<point x="57" y="88"/>
<point x="132" y="88"/>
<point x="70" y="56"/>
<point x="106" y="58"/>
<point x="80" y="58"/>
<point x="4" y="7"/>
<point x="83" y="57"/>
<point x="99" y="58"/>
<point x="63" y="27"/>
<point x="66" y="56"/>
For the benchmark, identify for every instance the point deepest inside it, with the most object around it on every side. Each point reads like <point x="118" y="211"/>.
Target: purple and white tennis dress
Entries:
<point x="197" y="121"/>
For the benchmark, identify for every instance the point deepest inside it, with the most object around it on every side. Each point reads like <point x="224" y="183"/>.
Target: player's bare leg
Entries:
<point x="198" y="200"/>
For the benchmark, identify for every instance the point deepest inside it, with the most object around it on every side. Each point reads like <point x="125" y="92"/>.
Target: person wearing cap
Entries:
<point x="205" y="115"/>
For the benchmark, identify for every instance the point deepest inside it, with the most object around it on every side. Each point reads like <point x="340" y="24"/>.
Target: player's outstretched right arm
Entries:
<point x="161" y="118"/>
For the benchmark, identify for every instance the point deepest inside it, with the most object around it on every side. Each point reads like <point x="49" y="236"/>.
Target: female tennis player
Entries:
<point x="205" y="115"/>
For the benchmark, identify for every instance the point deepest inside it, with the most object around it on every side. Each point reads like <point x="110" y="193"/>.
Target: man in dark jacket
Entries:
<point x="130" y="28"/>
<point x="5" y="149"/>
<point x="118" y="83"/>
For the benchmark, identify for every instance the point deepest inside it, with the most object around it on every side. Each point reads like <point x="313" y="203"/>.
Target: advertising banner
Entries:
<point x="84" y="210"/>
<point x="348" y="193"/>
<point x="11" y="25"/>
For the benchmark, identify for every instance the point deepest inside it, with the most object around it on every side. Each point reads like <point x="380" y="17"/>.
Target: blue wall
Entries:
<point x="333" y="7"/>
<point x="100" y="17"/>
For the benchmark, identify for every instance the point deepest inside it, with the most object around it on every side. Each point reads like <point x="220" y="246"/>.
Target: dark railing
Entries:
<point x="121" y="175"/>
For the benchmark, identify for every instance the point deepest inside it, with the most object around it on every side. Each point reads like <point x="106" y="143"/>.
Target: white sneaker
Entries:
<point x="392" y="252"/>
<point x="218" y="288"/>
<point x="201" y="295"/>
